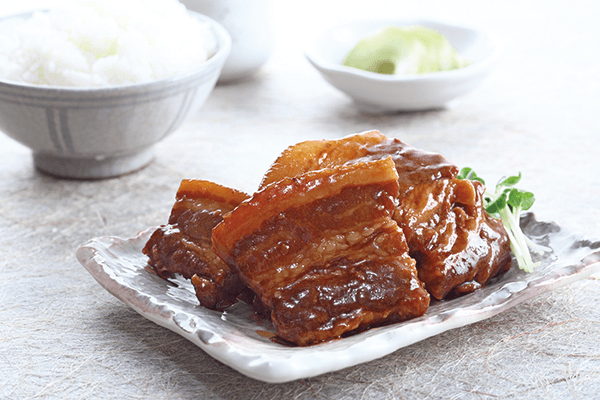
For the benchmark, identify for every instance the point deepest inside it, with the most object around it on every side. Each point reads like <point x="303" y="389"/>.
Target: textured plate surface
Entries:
<point x="237" y="338"/>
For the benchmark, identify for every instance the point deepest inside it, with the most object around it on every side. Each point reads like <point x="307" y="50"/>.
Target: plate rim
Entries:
<point x="289" y="364"/>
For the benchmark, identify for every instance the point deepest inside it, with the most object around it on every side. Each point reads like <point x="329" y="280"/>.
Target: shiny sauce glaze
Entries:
<point x="322" y="252"/>
<point x="458" y="247"/>
<point x="184" y="245"/>
<point x="342" y="235"/>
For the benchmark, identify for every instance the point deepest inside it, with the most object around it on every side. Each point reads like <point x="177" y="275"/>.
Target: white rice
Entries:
<point x="103" y="43"/>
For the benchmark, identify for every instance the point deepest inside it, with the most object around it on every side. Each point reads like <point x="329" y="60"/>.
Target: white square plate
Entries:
<point x="237" y="337"/>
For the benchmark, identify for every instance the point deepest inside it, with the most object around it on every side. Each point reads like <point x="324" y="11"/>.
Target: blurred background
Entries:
<point x="542" y="96"/>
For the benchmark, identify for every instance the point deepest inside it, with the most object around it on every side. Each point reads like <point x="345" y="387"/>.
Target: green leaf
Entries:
<point x="468" y="173"/>
<point x="464" y="172"/>
<point x="509" y="181"/>
<point x="521" y="198"/>
<point x="507" y="203"/>
<point x="515" y="196"/>
<point x="527" y="201"/>
<point x="497" y="205"/>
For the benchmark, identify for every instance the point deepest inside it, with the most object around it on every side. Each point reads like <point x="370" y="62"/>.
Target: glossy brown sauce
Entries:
<point x="457" y="245"/>
<point x="184" y="245"/>
<point x="330" y="262"/>
<point x="342" y="236"/>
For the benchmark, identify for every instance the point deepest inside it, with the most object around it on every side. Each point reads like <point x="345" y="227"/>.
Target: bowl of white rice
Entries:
<point x="92" y="86"/>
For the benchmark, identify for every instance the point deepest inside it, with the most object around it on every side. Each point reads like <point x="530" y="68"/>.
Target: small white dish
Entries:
<point x="389" y="93"/>
<point x="238" y="339"/>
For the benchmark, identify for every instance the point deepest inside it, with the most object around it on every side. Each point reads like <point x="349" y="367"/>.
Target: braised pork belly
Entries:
<point x="323" y="253"/>
<point x="341" y="236"/>
<point x="184" y="245"/>
<point x="458" y="247"/>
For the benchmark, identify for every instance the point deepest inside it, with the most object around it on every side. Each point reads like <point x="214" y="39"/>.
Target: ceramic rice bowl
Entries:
<point x="100" y="132"/>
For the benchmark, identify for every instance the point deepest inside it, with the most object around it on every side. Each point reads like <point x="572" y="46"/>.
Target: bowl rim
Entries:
<point x="224" y="43"/>
<point x="329" y="67"/>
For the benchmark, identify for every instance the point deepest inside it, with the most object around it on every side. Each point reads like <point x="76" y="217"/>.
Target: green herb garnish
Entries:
<point x="507" y="203"/>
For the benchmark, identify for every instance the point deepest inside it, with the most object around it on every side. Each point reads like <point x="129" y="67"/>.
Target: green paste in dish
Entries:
<point x="405" y="50"/>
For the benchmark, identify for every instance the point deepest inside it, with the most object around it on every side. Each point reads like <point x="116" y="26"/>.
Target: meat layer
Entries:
<point x="184" y="245"/>
<point x="323" y="253"/>
<point x="457" y="245"/>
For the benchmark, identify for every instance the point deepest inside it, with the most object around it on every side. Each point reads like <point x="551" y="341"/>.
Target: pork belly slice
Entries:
<point x="413" y="166"/>
<point x="457" y="245"/>
<point x="322" y="252"/>
<point x="184" y="246"/>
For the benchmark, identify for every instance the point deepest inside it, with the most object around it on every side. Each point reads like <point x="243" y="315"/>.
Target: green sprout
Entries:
<point x="507" y="203"/>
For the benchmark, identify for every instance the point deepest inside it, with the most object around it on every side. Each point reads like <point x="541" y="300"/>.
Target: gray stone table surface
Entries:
<point x="64" y="336"/>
